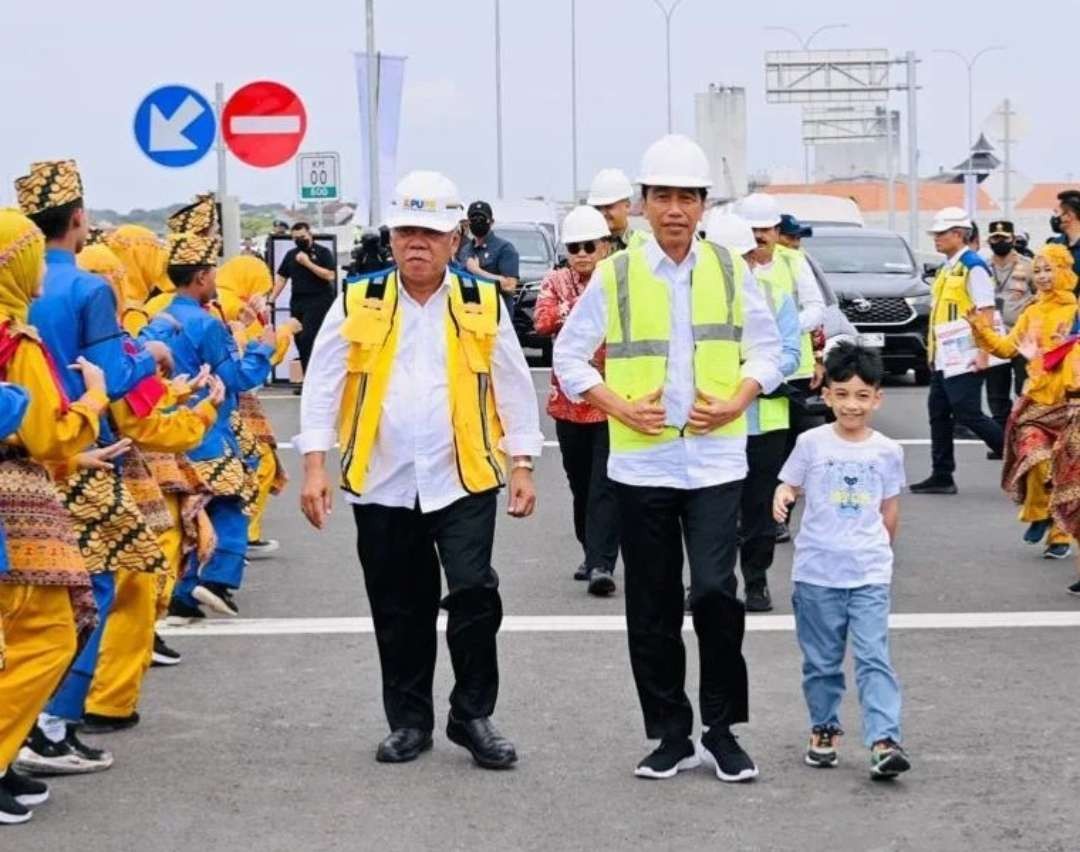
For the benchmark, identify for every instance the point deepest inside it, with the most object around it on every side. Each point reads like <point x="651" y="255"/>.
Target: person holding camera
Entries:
<point x="310" y="268"/>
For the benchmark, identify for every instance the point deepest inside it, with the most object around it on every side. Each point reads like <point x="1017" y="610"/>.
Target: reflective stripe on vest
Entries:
<point x="639" y="333"/>
<point x="950" y="301"/>
<point x="782" y="273"/>
<point x="372" y="327"/>
<point x="774" y="413"/>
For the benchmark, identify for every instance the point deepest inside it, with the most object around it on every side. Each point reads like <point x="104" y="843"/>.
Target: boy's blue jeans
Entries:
<point x="823" y="619"/>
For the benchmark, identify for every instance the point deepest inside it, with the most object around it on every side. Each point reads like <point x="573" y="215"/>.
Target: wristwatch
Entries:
<point x="523" y="464"/>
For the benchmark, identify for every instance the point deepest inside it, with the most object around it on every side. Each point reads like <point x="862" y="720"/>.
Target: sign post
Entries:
<point x="317" y="179"/>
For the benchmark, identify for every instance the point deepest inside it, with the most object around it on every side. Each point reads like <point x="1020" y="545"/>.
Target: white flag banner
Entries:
<point x="389" y="85"/>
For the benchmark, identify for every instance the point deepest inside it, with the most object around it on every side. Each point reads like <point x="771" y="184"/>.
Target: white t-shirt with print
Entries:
<point x="842" y="541"/>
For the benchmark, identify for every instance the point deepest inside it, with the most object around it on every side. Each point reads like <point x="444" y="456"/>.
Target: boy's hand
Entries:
<point x="783" y="500"/>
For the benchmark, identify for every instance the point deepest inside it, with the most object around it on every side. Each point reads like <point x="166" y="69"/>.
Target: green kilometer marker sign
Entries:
<point x="317" y="177"/>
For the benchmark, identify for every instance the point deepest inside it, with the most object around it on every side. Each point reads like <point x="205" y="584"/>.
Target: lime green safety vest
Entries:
<point x="773" y="414"/>
<point x="783" y="273"/>
<point x="639" y="332"/>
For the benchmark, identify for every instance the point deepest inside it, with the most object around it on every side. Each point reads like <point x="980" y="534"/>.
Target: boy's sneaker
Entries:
<point x="887" y="759"/>
<point x="217" y="596"/>
<point x="1058" y="551"/>
<point x="11" y="812"/>
<point x="163" y="655"/>
<point x="28" y="792"/>
<point x="182" y="614"/>
<point x="668" y="759"/>
<point x="720" y="749"/>
<point x="822" y="751"/>
<point x="262" y="548"/>
<point x="1074" y="589"/>
<point x="1036" y="532"/>
<point x="41" y="756"/>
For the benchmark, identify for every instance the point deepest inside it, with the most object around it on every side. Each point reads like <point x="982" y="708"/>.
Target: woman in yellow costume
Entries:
<point x="143" y="257"/>
<point x="46" y="603"/>
<point x="1041" y="414"/>
<point x="243" y="283"/>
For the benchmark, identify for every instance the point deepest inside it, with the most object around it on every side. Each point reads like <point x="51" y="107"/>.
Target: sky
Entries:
<point x="74" y="79"/>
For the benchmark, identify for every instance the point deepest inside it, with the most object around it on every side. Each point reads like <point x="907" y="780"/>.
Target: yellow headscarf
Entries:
<point x="1061" y="262"/>
<point x="144" y="257"/>
<point x="239" y="280"/>
<point x="22" y="260"/>
<point x="103" y="261"/>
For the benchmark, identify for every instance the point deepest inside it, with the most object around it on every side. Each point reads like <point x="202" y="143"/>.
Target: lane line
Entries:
<point x="907" y="442"/>
<point x="617" y="624"/>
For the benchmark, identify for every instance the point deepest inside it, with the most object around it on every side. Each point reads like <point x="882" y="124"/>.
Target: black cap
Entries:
<point x="792" y="227"/>
<point x="280" y="223"/>
<point x="1002" y="228"/>
<point x="480" y="208"/>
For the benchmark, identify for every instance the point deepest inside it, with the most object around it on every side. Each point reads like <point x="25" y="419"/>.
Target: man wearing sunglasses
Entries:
<point x="610" y="193"/>
<point x="581" y="428"/>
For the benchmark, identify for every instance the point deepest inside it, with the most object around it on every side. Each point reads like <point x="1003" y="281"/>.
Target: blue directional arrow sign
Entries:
<point x="175" y="126"/>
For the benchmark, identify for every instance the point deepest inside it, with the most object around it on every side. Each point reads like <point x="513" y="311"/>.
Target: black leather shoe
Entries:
<point x="935" y="484"/>
<point x="94" y="723"/>
<point x="758" y="599"/>
<point x="403" y="745"/>
<point x="489" y="748"/>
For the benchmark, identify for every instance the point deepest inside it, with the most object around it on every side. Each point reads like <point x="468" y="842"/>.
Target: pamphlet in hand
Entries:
<point x="956" y="349"/>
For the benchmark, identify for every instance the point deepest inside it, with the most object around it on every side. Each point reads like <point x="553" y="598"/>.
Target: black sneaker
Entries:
<point x="668" y="759"/>
<point x="41" y="756"/>
<point x="28" y="792"/>
<point x="11" y="812"/>
<point x="758" y="600"/>
<point x="935" y="484"/>
<point x="94" y="723"/>
<point x="217" y="597"/>
<point x="601" y="582"/>
<point x="163" y="655"/>
<point x="181" y="614"/>
<point x="1062" y="550"/>
<point x="1074" y="589"/>
<point x="720" y="749"/>
<point x="887" y="759"/>
<point x="1037" y="532"/>
<point x="783" y="534"/>
<point x="822" y="752"/>
<point x="581" y="573"/>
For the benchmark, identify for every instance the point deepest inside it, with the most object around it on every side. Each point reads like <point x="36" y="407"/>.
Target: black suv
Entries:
<point x="880" y="290"/>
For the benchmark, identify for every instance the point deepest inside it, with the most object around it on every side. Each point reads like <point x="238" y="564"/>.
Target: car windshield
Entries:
<point x="531" y="245"/>
<point x="861" y="254"/>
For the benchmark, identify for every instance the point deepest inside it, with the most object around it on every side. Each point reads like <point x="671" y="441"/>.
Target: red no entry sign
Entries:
<point x="264" y="123"/>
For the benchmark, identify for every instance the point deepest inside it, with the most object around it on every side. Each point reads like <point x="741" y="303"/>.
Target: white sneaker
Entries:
<point x="262" y="549"/>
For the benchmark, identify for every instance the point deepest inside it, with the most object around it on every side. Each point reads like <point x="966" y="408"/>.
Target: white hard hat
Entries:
<point x="760" y="210"/>
<point x="426" y="200"/>
<point x="729" y="230"/>
<point x="949" y="218"/>
<point x="675" y="160"/>
<point x="609" y="186"/>
<point x="584" y="223"/>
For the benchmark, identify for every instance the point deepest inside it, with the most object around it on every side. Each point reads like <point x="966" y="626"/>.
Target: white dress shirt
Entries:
<point x="413" y="455"/>
<point x="692" y="461"/>
<point x="811" y="302"/>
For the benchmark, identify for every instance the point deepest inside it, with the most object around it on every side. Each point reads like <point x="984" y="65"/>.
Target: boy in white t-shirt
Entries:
<point x="851" y="478"/>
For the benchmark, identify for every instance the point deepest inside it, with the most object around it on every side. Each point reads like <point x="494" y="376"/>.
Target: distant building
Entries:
<point x="720" y="122"/>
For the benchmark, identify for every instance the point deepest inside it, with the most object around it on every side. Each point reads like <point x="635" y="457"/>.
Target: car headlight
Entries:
<point x="919" y="301"/>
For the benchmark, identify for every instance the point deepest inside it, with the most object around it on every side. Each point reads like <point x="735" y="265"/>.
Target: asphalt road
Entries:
<point x="266" y="741"/>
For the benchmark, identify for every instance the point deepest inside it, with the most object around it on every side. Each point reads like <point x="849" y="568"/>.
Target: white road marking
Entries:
<point x="907" y="442"/>
<point x="617" y="624"/>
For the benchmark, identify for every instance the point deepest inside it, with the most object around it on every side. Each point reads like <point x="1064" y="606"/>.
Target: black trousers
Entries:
<point x="958" y="400"/>
<point x="765" y="456"/>
<point x="655" y="522"/>
<point x="400" y="551"/>
<point x="1003" y="382"/>
<point x="311" y="311"/>
<point x="584" y="448"/>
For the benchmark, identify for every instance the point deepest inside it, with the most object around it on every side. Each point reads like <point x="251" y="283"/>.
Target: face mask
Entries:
<point x="480" y="227"/>
<point x="1055" y="224"/>
<point x="1001" y="249"/>
<point x="301" y="242"/>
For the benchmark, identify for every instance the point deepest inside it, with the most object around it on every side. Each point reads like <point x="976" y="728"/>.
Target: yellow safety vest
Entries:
<point x="372" y="327"/>
<point x="782" y="272"/>
<point x="950" y="300"/>
<point x="639" y="334"/>
<point x="774" y="414"/>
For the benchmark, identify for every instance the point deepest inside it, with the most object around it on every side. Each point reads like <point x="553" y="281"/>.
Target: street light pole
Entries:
<point x="498" y="101"/>
<point x="970" y="63"/>
<point x="805" y="42"/>
<point x="573" y="99"/>
<point x="374" y="179"/>
<point x="667" y="12"/>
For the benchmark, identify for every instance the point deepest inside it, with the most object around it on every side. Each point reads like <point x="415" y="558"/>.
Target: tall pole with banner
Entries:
<point x="374" y="200"/>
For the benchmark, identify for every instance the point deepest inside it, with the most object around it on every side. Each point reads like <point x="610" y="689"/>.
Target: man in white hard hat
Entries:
<point x="610" y="193"/>
<point x="768" y="420"/>
<point x="581" y="428"/>
<point x="418" y="375"/>
<point x="690" y="345"/>
<point x="962" y="284"/>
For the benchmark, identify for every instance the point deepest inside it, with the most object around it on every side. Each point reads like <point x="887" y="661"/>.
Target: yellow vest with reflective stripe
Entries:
<point x="782" y="272"/>
<point x="773" y="413"/>
<point x="372" y="327"/>
<point x="951" y="300"/>
<point x="639" y="333"/>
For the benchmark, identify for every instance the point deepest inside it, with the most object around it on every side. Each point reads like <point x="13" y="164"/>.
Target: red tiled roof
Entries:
<point x="871" y="196"/>
<point x="1043" y="196"/>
